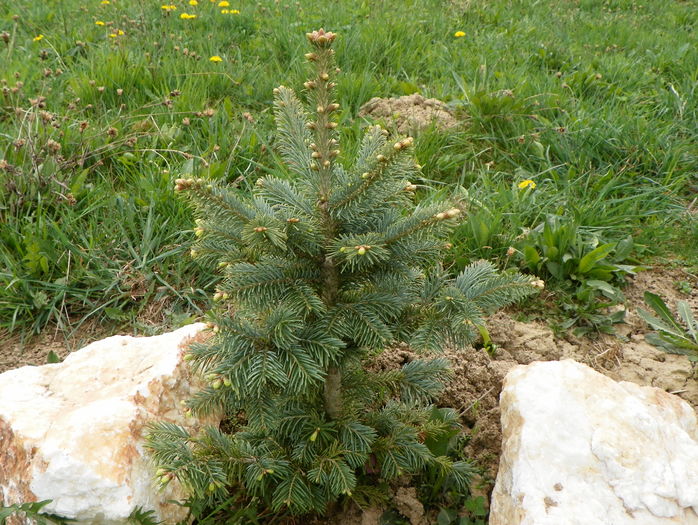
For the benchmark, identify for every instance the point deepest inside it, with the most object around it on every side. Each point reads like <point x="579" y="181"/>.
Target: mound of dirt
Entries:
<point x="409" y="114"/>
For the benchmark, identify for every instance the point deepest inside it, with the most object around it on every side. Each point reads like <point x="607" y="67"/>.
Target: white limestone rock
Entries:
<point x="581" y="449"/>
<point x="72" y="432"/>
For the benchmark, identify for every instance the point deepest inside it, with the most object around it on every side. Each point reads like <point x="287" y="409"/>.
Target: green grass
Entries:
<point x="593" y="100"/>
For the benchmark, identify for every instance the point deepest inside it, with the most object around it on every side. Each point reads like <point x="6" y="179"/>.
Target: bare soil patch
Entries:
<point x="18" y="350"/>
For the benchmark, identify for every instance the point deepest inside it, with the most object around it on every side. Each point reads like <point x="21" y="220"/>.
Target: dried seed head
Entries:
<point x="53" y="146"/>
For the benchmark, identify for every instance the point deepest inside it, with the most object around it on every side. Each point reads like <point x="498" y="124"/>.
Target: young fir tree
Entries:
<point x="322" y="271"/>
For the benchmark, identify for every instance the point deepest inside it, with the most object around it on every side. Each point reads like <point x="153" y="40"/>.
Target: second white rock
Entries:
<point x="581" y="449"/>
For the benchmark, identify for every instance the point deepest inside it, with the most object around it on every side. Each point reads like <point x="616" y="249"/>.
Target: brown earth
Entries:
<point x="18" y="350"/>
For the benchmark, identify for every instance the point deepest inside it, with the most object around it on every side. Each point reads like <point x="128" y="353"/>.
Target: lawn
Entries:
<point x="105" y="103"/>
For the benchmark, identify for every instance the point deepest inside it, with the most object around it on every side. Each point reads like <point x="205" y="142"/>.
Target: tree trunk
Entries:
<point x="333" y="392"/>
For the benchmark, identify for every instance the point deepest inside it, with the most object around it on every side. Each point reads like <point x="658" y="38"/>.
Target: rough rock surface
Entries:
<point x="72" y="432"/>
<point x="581" y="449"/>
<point x="410" y="113"/>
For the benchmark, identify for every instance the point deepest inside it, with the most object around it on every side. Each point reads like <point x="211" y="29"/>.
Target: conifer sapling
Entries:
<point x="322" y="270"/>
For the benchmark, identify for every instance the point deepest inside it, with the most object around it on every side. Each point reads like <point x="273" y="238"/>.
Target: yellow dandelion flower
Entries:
<point x="234" y="12"/>
<point x="37" y="38"/>
<point x="528" y="183"/>
<point x="99" y="23"/>
<point x="186" y="16"/>
<point x="459" y="34"/>
<point x="193" y="2"/>
<point x="169" y="7"/>
<point x="225" y="11"/>
<point x="120" y="32"/>
<point x="216" y="58"/>
<point x="105" y="2"/>
<point x="223" y="4"/>
<point x="112" y="35"/>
